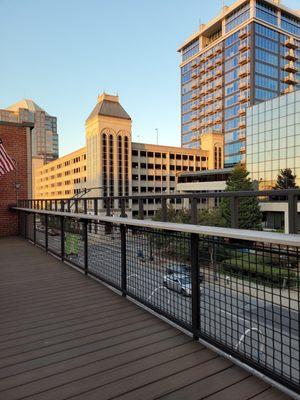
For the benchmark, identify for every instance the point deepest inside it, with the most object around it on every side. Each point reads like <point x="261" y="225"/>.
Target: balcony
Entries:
<point x="242" y="123"/>
<point x="244" y="59"/>
<point x="243" y="150"/>
<point x="218" y="120"/>
<point x="218" y="83"/>
<point x="94" y="343"/>
<point x="195" y="64"/>
<point x="209" y="100"/>
<point x="244" y="84"/>
<point x="290" y="79"/>
<point x="218" y="49"/>
<point x="242" y="136"/>
<point x="219" y="61"/>
<point x="290" y="67"/>
<point x="289" y="89"/>
<point x="291" y="55"/>
<point x="291" y="43"/>
<point x="195" y="85"/>
<point x="244" y="46"/>
<point x="219" y="72"/>
<point x="195" y="127"/>
<point x="195" y="117"/>
<point x="243" y="33"/>
<point x="195" y="95"/>
<point x="243" y="97"/>
<point x="243" y="72"/>
<point x="218" y="107"/>
<point x="195" y="106"/>
<point x="194" y="74"/>
<point x="210" y="65"/>
<point x="218" y="95"/>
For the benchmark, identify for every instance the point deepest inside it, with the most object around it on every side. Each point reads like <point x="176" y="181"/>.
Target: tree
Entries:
<point x="249" y="214"/>
<point x="210" y="217"/>
<point x="286" y="180"/>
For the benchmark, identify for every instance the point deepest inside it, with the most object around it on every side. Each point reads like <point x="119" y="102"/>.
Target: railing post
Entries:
<point x="108" y="206"/>
<point x="69" y="205"/>
<point x="141" y="208"/>
<point x="46" y="232"/>
<point x="76" y="205"/>
<point x="95" y="206"/>
<point x="194" y="210"/>
<point x="234" y="211"/>
<point x="123" y="260"/>
<point x="292" y="213"/>
<point x="123" y="208"/>
<point x="195" y="285"/>
<point x="164" y="210"/>
<point x="62" y="238"/>
<point x="85" y="206"/>
<point x="34" y="230"/>
<point x="25" y="225"/>
<point x="62" y="206"/>
<point x="85" y="228"/>
<point x="55" y="205"/>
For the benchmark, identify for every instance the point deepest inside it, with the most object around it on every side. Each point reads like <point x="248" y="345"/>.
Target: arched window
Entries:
<point x="104" y="163"/>
<point x="126" y="165"/>
<point x="120" y="166"/>
<point x="111" y="165"/>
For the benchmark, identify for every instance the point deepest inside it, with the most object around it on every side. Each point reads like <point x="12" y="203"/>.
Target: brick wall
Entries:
<point x="14" y="138"/>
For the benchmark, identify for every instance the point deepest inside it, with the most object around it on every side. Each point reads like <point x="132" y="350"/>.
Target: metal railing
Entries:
<point x="192" y="200"/>
<point x="236" y="289"/>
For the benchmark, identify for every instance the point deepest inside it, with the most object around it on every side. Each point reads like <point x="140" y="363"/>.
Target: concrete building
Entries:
<point x="44" y="134"/>
<point x="112" y="165"/>
<point x="247" y="54"/>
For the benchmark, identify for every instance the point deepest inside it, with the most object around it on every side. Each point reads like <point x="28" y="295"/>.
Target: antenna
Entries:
<point x="156" y="131"/>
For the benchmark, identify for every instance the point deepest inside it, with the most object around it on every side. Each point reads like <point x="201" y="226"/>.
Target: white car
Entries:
<point x="180" y="283"/>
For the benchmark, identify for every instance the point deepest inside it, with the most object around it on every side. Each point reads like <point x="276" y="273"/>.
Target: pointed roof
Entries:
<point x="109" y="106"/>
<point x="28" y="104"/>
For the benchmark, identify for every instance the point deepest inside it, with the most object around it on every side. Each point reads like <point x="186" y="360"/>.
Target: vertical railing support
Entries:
<point x="34" y="229"/>
<point x="123" y="208"/>
<point x="123" y="260"/>
<point x="85" y="233"/>
<point x="46" y="232"/>
<point x="164" y="210"/>
<point x="141" y="208"/>
<point x="62" y="238"/>
<point x="25" y="225"/>
<point x="194" y="210"/>
<point x="234" y="212"/>
<point x="292" y="213"/>
<point x="195" y="285"/>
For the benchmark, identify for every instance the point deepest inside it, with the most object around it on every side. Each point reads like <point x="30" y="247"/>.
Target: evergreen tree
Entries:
<point x="249" y="214"/>
<point x="286" y="180"/>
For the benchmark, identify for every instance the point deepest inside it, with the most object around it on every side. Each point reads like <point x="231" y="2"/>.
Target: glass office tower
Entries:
<point x="273" y="139"/>
<point x="248" y="54"/>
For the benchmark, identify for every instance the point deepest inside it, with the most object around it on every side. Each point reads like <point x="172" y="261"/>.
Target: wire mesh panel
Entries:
<point x="104" y="252"/>
<point x="30" y="227"/>
<point x="74" y="241"/>
<point x="54" y="234"/>
<point x="250" y="302"/>
<point x="159" y="272"/>
<point x="40" y="229"/>
<point x="22" y="223"/>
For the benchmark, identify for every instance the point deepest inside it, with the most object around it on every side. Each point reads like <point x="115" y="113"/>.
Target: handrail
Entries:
<point x="230" y="233"/>
<point x="208" y="194"/>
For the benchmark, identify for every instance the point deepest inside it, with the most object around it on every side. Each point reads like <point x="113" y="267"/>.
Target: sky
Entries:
<point x="63" y="53"/>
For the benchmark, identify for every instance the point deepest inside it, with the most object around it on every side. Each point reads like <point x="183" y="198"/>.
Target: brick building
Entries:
<point x="16" y="139"/>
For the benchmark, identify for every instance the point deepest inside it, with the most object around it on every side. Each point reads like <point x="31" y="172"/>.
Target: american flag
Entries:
<point x="6" y="163"/>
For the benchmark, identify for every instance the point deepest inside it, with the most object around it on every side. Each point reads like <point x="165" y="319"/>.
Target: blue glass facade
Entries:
<point x="248" y="64"/>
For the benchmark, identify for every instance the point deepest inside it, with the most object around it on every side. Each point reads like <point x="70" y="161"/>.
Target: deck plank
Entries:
<point x="64" y="335"/>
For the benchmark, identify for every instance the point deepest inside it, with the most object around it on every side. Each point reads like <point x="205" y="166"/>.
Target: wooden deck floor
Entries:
<point x="67" y="336"/>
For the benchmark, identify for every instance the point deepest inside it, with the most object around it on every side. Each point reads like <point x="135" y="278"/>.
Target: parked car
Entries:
<point x="180" y="283"/>
<point x="182" y="269"/>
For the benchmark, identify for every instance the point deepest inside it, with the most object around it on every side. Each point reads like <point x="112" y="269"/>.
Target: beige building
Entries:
<point x="112" y="165"/>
